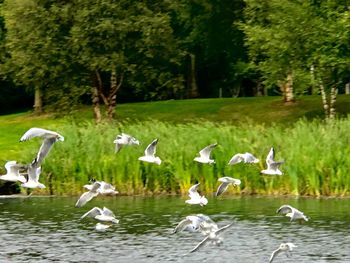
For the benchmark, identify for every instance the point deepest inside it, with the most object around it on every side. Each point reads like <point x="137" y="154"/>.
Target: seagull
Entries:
<point x="225" y="182"/>
<point x="150" y="154"/>
<point x="204" y="154"/>
<point x="87" y="196"/>
<point x="196" y="199"/>
<point x="292" y="212"/>
<point x="272" y="165"/>
<point x="104" y="189"/>
<point x="284" y="247"/>
<point x="101" y="227"/>
<point x="104" y="214"/>
<point x="33" y="177"/>
<point x="12" y="172"/>
<point x="50" y="137"/>
<point x="195" y="223"/>
<point x="213" y="236"/>
<point x="243" y="157"/>
<point x="124" y="139"/>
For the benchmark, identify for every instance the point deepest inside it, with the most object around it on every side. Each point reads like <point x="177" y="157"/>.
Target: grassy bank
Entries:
<point x="317" y="159"/>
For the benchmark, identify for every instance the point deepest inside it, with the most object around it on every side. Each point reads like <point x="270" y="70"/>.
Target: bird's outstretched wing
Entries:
<point x="182" y="225"/>
<point x="93" y="212"/>
<point x="44" y="150"/>
<point x="200" y="244"/>
<point x="284" y="209"/>
<point x="274" y="254"/>
<point x="85" y="197"/>
<point x="205" y="152"/>
<point x="37" y="132"/>
<point x="151" y="148"/>
<point x="237" y="158"/>
<point x="222" y="188"/>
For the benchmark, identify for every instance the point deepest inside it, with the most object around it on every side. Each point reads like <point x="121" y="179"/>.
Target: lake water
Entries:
<point x="49" y="229"/>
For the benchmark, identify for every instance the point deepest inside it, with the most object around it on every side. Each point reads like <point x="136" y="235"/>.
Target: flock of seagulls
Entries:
<point x="28" y="175"/>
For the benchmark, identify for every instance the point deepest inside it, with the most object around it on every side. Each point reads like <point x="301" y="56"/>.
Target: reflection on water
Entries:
<point x="49" y="229"/>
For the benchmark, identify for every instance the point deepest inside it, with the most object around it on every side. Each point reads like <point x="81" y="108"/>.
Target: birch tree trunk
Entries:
<point x="288" y="91"/>
<point x="324" y="101"/>
<point x="329" y="107"/>
<point x="333" y="99"/>
<point x="38" y="102"/>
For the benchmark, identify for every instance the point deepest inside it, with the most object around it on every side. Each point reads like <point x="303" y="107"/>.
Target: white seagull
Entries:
<point x="104" y="189"/>
<point x="87" y="196"/>
<point x="104" y="214"/>
<point x="243" y="157"/>
<point x="33" y="177"/>
<point x="225" y="182"/>
<point x="272" y="165"/>
<point x="50" y="137"/>
<point x="196" y="199"/>
<point x="204" y="154"/>
<point x="292" y="212"/>
<point x="213" y="236"/>
<point x="195" y="223"/>
<point x="124" y="139"/>
<point x="284" y="247"/>
<point x="12" y="172"/>
<point x="150" y="154"/>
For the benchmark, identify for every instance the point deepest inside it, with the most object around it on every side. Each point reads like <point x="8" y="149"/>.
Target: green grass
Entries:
<point x="316" y="153"/>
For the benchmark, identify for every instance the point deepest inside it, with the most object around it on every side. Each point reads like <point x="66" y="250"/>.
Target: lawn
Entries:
<point x="237" y="111"/>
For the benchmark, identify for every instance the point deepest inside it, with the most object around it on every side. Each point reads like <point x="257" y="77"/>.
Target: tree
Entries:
<point x="330" y="50"/>
<point x="213" y="43"/>
<point x="275" y="32"/>
<point x="288" y="38"/>
<point x="120" y="39"/>
<point x="36" y="44"/>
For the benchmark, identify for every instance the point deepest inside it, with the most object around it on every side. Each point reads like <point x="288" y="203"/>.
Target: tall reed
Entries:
<point x="316" y="154"/>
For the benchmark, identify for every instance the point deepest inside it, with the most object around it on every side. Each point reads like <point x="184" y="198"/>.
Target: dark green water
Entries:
<point x="49" y="229"/>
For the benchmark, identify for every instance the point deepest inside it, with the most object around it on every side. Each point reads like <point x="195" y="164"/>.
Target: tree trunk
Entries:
<point x="329" y="107"/>
<point x="95" y="98"/>
<point x="38" y="102"/>
<point x="193" y="92"/>
<point x="324" y="101"/>
<point x="333" y="99"/>
<point x="288" y="92"/>
<point x="112" y="98"/>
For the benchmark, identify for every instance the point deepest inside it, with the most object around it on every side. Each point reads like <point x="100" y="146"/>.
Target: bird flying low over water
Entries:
<point x="284" y="247"/>
<point x="104" y="214"/>
<point x="213" y="237"/>
<point x="196" y="199"/>
<point x="204" y="154"/>
<point x="197" y="223"/>
<point x="225" y="182"/>
<point x="104" y="189"/>
<point x="49" y="138"/>
<point x="150" y="154"/>
<point x="124" y="139"/>
<point x="34" y="172"/>
<point x="243" y="157"/>
<point x="272" y="165"/>
<point x="292" y="212"/>
<point x="12" y="172"/>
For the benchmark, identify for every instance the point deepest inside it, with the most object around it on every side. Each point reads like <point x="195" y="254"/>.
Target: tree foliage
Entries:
<point x="288" y="36"/>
